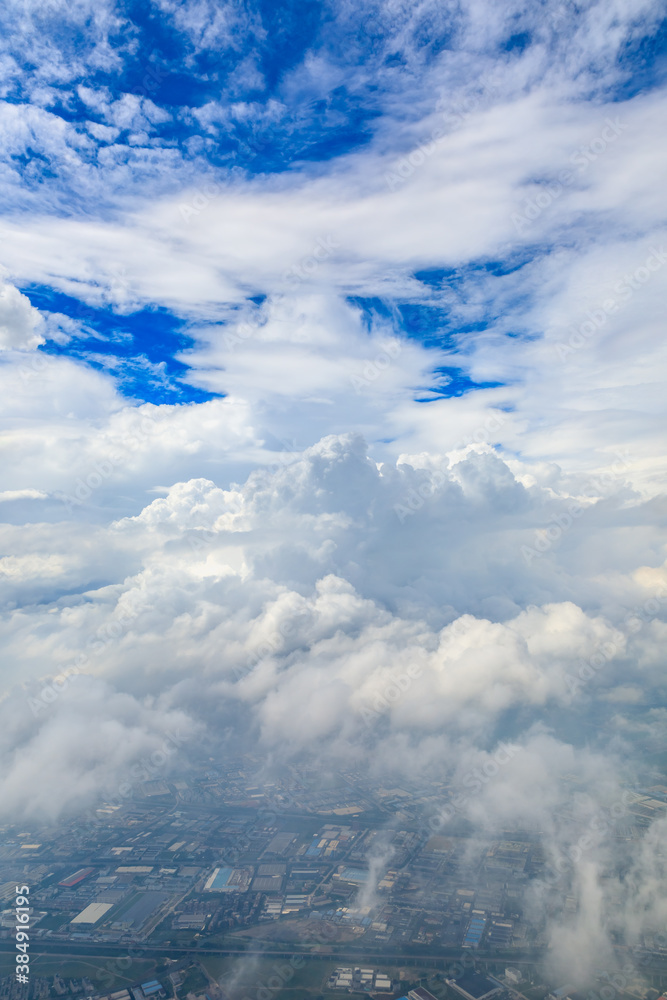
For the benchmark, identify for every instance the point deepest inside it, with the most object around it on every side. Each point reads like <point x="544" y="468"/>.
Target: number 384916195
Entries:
<point x="22" y="928"/>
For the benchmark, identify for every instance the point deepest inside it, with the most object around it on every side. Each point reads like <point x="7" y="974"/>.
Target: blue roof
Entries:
<point x="354" y="875"/>
<point x="222" y="878"/>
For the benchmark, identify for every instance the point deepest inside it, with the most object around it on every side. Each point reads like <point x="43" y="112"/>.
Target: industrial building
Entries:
<point x="152" y="988"/>
<point x="228" y="880"/>
<point x="268" y="883"/>
<point x="420" y="994"/>
<point x="340" y="979"/>
<point x="295" y="902"/>
<point x="475" y="930"/>
<point x="78" y="876"/>
<point x="92" y="914"/>
<point x="364" y="978"/>
<point x="141" y="908"/>
<point x="473" y="986"/>
<point x="120" y="995"/>
<point x="360" y="980"/>
<point x="355" y="876"/>
<point x="500" y="933"/>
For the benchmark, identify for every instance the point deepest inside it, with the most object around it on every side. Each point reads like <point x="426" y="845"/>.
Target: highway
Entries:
<point x="344" y="953"/>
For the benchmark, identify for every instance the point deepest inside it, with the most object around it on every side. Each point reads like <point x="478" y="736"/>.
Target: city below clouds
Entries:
<point x="333" y="390"/>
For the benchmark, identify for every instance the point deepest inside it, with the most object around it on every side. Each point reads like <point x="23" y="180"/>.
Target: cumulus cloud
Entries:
<point x="20" y="322"/>
<point x="84" y="744"/>
<point x="340" y="627"/>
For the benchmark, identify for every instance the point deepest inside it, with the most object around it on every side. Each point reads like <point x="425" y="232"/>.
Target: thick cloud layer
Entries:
<point x="314" y="592"/>
<point x="316" y="589"/>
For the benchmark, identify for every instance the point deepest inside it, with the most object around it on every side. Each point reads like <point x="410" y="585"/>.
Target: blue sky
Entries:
<point x="122" y="105"/>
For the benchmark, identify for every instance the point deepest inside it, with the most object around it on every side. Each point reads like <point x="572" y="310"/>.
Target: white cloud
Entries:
<point x="310" y="582"/>
<point x="87" y="745"/>
<point x="27" y="494"/>
<point x="20" y="322"/>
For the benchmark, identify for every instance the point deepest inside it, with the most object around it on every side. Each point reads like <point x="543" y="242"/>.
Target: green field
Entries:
<point x="105" y="973"/>
<point x="195" y="981"/>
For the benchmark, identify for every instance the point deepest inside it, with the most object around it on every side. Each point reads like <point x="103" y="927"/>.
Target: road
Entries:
<point x="345" y="954"/>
